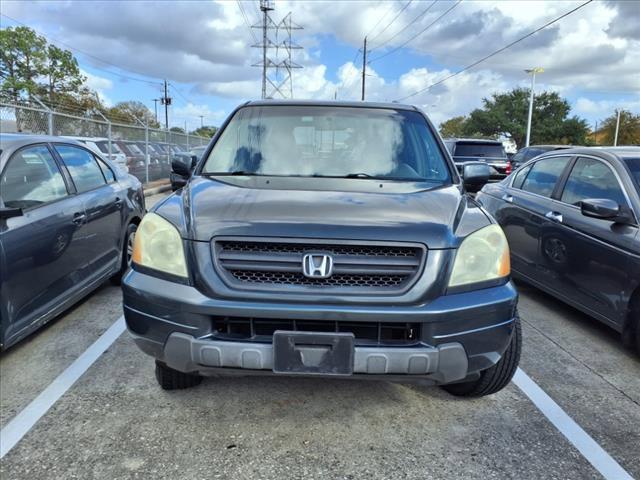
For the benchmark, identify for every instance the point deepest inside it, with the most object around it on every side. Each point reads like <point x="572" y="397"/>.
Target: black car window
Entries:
<point x="106" y="171"/>
<point x="82" y="165"/>
<point x="479" y="149"/>
<point x="519" y="157"/>
<point x="533" y="152"/>
<point x="31" y="178"/>
<point x="544" y="174"/>
<point x="590" y="178"/>
<point x="521" y="174"/>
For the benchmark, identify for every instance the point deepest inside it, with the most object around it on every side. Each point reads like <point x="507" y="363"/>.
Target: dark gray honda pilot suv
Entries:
<point x="325" y="239"/>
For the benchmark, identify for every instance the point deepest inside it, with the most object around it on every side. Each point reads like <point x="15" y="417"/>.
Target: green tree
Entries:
<point x="628" y="133"/>
<point x="205" y="131"/>
<point x="454" y="127"/>
<point x="62" y="74"/>
<point x="505" y="115"/>
<point x="128" y="112"/>
<point x="176" y="129"/>
<point x="22" y="60"/>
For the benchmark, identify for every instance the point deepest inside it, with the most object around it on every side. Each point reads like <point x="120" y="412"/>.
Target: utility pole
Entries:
<point x="364" y="66"/>
<point x="615" y="139"/>
<point x="166" y="101"/>
<point x="595" y="134"/>
<point x="201" y="121"/>
<point x="533" y="72"/>
<point x="155" y="107"/>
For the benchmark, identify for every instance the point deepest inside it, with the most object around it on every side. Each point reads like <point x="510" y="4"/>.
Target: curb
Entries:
<point x="156" y="190"/>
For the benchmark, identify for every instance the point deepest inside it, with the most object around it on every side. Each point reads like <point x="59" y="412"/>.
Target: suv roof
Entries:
<point x="474" y="140"/>
<point x="331" y="103"/>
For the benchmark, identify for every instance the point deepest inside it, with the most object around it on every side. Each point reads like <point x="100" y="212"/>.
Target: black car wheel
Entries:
<point x="170" y="379"/>
<point x="127" y="253"/>
<point x="497" y="377"/>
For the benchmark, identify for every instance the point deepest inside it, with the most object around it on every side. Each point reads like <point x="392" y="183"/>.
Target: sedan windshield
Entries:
<point x="318" y="141"/>
<point x="634" y="166"/>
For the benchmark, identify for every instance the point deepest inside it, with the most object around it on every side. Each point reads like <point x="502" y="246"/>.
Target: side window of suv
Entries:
<point x="31" y="178"/>
<point x="590" y="178"/>
<point x="83" y="167"/>
<point x="544" y="174"/>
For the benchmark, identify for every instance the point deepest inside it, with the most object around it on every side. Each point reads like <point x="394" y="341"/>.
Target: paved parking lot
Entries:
<point x="115" y="422"/>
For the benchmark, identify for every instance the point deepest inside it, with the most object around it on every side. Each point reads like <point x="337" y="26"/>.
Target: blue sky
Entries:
<point x="204" y="49"/>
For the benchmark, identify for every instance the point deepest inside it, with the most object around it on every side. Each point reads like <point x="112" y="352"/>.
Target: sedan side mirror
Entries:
<point x="194" y="161"/>
<point x="9" y="212"/>
<point x="181" y="165"/>
<point x="605" y="209"/>
<point x="475" y="175"/>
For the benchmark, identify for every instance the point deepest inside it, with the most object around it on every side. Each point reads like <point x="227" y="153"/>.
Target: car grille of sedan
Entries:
<point x="358" y="267"/>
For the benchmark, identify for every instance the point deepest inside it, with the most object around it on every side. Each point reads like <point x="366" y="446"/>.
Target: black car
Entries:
<point x="527" y="153"/>
<point x="571" y="218"/>
<point x="491" y="152"/>
<point x="325" y="239"/>
<point x="67" y="223"/>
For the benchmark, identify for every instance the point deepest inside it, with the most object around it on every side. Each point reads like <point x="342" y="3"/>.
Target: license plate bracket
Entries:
<point x="313" y="353"/>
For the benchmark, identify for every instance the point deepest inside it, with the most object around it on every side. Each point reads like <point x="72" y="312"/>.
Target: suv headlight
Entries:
<point x="483" y="256"/>
<point x="158" y="245"/>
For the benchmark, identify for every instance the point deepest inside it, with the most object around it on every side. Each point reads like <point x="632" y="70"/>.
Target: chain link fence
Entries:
<point x="142" y="151"/>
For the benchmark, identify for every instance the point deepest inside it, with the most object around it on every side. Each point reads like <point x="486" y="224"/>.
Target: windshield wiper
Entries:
<point x="233" y="173"/>
<point x="359" y="175"/>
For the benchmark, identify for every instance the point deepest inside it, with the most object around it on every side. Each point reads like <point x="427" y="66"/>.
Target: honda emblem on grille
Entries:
<point x="317" y="265"/>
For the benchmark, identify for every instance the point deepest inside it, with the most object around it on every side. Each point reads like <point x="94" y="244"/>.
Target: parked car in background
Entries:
<point x="527" y="153"/>
<point x="101" y="146"/>
<point x="338" y="242"/>
<point x="157" y="168"/>
<point x="68" y="218"/>
<point x="491" y="152"/>
<point x="135" y="159"/>
<point x="571" y="218"/>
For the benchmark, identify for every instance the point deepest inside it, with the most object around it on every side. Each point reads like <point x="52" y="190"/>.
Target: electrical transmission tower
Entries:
<point x="276" y="40"/>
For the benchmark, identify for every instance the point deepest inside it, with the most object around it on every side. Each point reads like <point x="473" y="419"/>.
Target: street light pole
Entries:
<point x="533" y="72"/>
<point x="615" y="139"/>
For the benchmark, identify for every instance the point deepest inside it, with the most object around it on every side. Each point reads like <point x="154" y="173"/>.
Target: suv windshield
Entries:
<point x="329" y="142"/>
<point x="470" y="149"/>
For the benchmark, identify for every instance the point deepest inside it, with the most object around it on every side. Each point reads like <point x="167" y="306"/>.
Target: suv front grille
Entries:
<point x="358" y="267"/>
<point x="365" y="333"/>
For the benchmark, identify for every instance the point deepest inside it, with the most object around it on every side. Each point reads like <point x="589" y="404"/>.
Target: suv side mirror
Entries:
<point x="605" y="209"/>
<point x="475" y="175"/>
<point x="181" y="165"/>
<point x="8" y="212"/>
<point x="194" y="161"/>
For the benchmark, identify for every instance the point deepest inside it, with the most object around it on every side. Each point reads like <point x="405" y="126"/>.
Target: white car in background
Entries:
<point x="100" y="145"/>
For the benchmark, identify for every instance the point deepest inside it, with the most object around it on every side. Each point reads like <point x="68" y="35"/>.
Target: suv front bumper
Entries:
<point x="461" y="334"/>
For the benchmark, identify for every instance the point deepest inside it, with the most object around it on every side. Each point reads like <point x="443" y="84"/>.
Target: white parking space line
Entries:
<point x="587" y="446"/>
<point x="18" y="427"/>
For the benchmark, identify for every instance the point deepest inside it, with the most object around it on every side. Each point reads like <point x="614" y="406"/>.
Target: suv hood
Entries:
<point x="439" y="218"/>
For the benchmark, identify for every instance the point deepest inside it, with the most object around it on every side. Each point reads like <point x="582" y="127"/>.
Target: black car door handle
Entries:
<point x="118" y="202"/>
<point x="507" y="198"/>
<point x="78" y="218"/>
<point x="554" y="216"/>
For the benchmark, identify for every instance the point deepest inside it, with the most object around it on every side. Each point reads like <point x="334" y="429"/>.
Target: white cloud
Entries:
<point x="191" y="113"/>
<point x="99" y="85"/>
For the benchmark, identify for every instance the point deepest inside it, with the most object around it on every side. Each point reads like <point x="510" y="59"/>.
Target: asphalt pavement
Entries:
<point x="115" y="422"/>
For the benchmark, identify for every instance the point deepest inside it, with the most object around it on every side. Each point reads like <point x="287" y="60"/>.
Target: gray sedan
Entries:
<point x="67" y="222"/>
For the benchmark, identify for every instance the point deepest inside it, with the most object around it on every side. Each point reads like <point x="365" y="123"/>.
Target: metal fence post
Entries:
<point x="49" y="114"/>
<point x="146" y="149"/>
<point x="108" y="133"/>
<point x="187" y="141"/>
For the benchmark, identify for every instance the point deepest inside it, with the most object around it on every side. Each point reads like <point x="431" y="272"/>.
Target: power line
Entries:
<point x="246" y="21"/>
<point x="420" y="15"/>
<point x="496" y="52"/>
<point x="381" y="18"/>
<point x="416" y="35"/>
<point x="50" y="38"/>
<point x="393" y="20"/>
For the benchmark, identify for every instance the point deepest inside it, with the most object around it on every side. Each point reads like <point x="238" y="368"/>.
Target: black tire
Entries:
<point x="127" y="248"/>
<point x="170" y="379"/>
<point x="497" y="377"/>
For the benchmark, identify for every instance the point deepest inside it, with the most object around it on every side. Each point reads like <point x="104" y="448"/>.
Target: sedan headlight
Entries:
<point x="483" y="256"/>
<point x="158" y="245"/>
